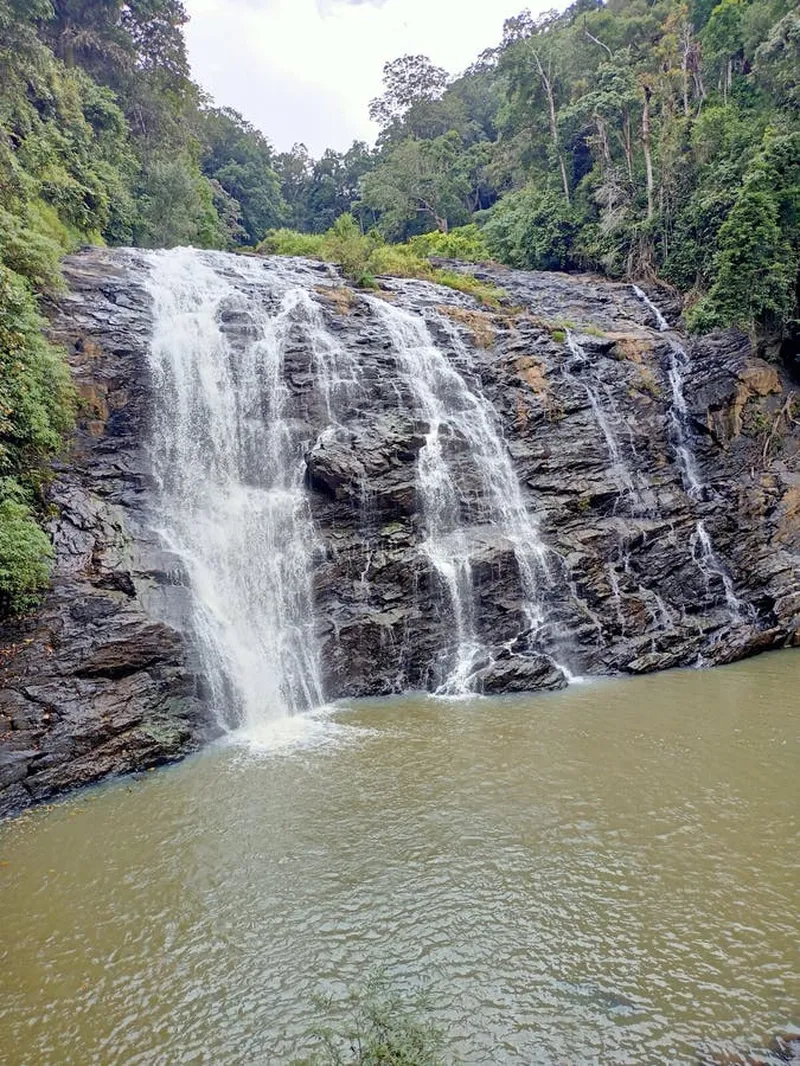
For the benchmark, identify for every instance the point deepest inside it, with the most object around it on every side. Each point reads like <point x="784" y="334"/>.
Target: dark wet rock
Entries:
<point x="105" y="678"/>
<point x="519" y="673"/>
<point x="102" y="679"/>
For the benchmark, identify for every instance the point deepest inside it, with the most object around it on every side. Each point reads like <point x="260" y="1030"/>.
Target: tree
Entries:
<point x="176" y="206"/>
<point x="754" y="266"/>
<point x="418" y="180"/>
<point x="295" y="170"/>
<point x="533" y="229"/>
<point x="530" y="60"/>
<point x="408" y="80"/>
<point x="240" y="159"/>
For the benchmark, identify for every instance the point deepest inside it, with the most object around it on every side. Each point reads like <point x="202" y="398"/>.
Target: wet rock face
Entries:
<point x="642" y="570"/>
<point x="100" y="680"/>
<point x="633" y="583"/>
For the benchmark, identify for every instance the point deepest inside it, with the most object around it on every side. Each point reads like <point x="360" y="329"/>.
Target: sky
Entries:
<point x="305" y="70"/>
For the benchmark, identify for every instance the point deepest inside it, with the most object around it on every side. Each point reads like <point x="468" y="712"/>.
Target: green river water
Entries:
<point x="602" y="876"/>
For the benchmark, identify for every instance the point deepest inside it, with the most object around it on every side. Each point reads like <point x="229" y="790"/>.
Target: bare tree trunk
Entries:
<point x="626" y="129"/>
<point x="602" y="136"/>
<point x="551" y="107"/>
<point x="593" y="38"/>
<point x="685" y="79"/>
<point x="648" y="160"/>
<point x="686" y="43"/>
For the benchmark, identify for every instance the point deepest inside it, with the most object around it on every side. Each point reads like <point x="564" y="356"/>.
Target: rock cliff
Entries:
<point x="662" y="473"/>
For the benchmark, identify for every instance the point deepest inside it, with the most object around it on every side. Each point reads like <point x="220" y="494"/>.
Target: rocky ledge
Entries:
<point x="663" y="473"/>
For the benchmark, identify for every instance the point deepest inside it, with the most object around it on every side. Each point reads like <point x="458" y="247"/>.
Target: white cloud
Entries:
<point x="305" y="70"/>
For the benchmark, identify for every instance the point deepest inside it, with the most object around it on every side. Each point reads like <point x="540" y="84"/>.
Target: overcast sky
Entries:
<point x="305" y="70"/>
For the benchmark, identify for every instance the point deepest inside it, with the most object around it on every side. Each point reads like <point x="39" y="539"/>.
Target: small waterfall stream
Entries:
<point x="702" y="546"/>
<point x="456" y="413"/>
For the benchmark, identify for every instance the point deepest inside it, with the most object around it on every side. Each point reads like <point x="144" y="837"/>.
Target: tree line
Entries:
<point x="640" y="138"/>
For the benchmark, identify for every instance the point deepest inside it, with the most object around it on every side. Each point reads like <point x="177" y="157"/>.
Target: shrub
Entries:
<point x="754" y="266"/>
<point x="345" y="244"/>
<point x="25" y="557"/>
<point x="482" y="291"/>
<point x="532" y="229"/>
<point x="36" y="398"/>
<point x="465" y="243"/>
<point x="30" y="251"/>
<point x="290" y="242"/>
<point x="400" y="261"/>
<point x="374" y="1027"/>
<point x="36" y="408"/>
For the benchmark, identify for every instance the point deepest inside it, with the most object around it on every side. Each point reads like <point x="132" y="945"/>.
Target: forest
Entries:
<point x="643" y="139"/>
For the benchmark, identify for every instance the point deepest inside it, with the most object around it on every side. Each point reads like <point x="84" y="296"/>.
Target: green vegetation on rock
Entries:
<point x="363" y="257"/>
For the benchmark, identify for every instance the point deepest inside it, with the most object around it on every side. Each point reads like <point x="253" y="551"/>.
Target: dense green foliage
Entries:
<point x="103" y="138"/>
<point x="641" y="138"/>
<point x="35" y="409"/>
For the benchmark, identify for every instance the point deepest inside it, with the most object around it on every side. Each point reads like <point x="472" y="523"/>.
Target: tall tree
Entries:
<point x="419" y="181"/>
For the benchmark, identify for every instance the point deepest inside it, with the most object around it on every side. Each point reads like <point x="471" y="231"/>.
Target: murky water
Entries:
<point x="606" y="875"/>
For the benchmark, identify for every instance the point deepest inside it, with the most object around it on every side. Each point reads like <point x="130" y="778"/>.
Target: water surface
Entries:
<point x="601" y="876"/>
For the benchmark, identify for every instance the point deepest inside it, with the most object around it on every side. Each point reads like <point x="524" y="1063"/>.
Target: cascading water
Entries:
<point x="606" y="415"/>
<point x="702" y="546"/>
<point x="228" y="459"/>
<point x="661" y="322"/>
<point x="638" y="502"/>
<point x="249" y="381"/>
<point x="454" y="410"/>
<point x="678" y="415"/>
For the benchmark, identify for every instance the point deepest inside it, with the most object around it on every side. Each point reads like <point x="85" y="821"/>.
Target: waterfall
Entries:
<point x="606" y="415"/>
<point x="457" y="413"/>
<point x="702" y="547"/>
<point x="661" y="322"/>
<point x="711" y="567"/>
<point x="250" y="383"/>
<point x="228" y="458"/>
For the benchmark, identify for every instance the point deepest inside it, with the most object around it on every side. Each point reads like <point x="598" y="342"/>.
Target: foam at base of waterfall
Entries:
<point x="289" y="732"/>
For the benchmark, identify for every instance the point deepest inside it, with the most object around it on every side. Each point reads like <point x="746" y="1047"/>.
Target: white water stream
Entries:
<point x="702" y="546"/>
<point x="228" y="458"/>
<point x="454" y="412"/>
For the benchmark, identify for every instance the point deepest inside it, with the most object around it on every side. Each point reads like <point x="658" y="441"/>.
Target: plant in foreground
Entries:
<point x="373" y="1026"/>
